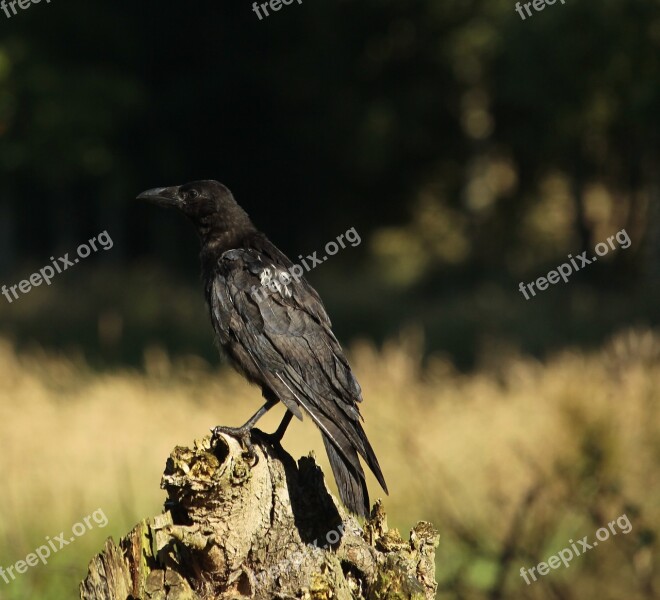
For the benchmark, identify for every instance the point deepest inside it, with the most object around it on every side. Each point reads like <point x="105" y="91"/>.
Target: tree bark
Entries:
<point x="264" y="528"/>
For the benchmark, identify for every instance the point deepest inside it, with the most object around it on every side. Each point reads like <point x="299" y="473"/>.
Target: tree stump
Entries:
<point x="264" y="528"/>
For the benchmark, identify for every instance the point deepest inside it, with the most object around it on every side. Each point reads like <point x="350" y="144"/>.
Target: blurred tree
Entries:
<point x="465" y="144"/>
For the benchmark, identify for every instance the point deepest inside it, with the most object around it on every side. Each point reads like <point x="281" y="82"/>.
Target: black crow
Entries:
<point x="273" y="327"/>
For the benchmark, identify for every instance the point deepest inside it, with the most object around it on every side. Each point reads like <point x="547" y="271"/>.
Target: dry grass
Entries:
<point x="578" y="437"/>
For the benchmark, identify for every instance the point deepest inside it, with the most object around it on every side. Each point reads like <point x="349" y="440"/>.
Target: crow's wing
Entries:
<point x="260" y="311"/>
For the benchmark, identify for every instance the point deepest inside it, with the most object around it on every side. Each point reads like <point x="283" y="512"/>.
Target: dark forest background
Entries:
<point x="470" y="149"/>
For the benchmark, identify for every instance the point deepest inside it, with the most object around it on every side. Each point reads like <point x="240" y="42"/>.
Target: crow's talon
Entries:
<point x="242" y="434"/>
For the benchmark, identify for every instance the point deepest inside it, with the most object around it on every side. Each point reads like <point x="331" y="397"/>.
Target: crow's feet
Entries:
<point x="242" y="434"/>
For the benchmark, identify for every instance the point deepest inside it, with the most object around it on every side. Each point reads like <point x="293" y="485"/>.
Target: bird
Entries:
<point x="272" y="325"/>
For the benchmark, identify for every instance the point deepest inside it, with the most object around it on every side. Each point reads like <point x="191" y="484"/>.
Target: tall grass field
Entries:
<point x="509" y="461"/>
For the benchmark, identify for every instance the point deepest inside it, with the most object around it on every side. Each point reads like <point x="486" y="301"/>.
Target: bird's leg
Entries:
<point x="242" y="433"/>
<point x="279" y="432"/>
<point x="276" y="437"/>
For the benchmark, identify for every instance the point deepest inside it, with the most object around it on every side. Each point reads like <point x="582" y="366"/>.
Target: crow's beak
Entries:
<point x="165" y="196"/>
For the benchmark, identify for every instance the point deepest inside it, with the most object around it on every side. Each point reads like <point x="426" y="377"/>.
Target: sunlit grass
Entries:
<point x="580" y="432"/>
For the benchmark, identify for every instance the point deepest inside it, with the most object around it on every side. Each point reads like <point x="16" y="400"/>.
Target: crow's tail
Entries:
<point x="344" y="445"/>
<point x="349" y="476"/>
<point x="345" y="441"/>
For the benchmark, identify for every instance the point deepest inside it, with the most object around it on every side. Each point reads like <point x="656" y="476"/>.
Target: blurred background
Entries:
<point x="471" y="150"/>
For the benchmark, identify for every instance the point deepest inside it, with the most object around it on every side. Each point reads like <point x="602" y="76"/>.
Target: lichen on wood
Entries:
<point x="261" y="528"/>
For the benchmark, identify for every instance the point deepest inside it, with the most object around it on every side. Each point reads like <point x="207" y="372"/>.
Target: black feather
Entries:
<point x="276" y="332"/>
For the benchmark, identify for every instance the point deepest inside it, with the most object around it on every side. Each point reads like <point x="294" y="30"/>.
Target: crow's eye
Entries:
<point x="192" y="194"/>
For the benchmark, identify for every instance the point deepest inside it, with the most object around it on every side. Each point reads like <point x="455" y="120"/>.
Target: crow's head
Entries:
<point x="208" y="203"/>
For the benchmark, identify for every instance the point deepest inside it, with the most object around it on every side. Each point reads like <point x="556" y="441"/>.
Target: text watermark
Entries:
<point x="332" y="537"/>
<point x="262" y="7"/>
<point x="278" y="280"/>
<point x="538" y="5"/>
<point x="42" y="553"/>
<point x="566" y="555"/>
<point x="564" y="270"/>
<point x="47" y="273"/>
<point x="5" y="5"/>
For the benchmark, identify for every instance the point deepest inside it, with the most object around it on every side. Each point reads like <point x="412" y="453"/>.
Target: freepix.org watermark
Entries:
<point x="52" y="546"/>
<point x="564" y="270"/>
<point x="261" y="8"/>
<point x="5" y="5"/>
<point x="566" y="555"/>
<point x="293" y="562"/>
<point x="538" y="5"/>
<point x="47" y="273"/>
<point x="278" y="280"/>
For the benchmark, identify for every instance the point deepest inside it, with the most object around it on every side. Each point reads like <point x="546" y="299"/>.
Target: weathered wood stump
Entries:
<point x="235" y="527"/>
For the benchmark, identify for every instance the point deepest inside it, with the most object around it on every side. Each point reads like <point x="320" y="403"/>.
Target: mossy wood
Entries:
<point x="266" y="529"/>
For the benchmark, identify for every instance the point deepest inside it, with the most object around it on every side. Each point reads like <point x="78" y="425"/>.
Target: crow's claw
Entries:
<point x="242" y="434"/>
